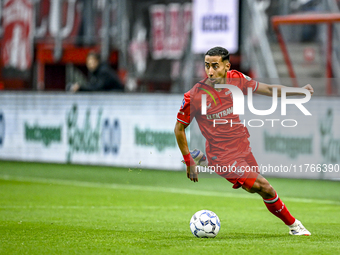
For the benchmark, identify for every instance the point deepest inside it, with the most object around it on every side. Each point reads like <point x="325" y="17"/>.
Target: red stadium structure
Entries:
<point x="309" y="18"/>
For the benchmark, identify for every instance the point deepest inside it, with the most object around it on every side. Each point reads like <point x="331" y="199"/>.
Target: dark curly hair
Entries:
<point x="218" y="51"/>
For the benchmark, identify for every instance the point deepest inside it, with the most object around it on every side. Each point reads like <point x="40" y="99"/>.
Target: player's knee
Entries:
<point x="255" y="188"/>
<point x="250" y="190"/>
<point x="263" y="187"/>
<point x="267" y="189"/>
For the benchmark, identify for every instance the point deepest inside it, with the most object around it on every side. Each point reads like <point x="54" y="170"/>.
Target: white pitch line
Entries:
<point x="156" y="189"/>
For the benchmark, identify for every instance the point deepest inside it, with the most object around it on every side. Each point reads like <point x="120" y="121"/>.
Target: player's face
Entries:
<point x="215" y="69"/>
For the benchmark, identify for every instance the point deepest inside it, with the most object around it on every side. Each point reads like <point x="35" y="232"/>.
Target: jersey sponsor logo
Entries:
<point x="220" y="114"/>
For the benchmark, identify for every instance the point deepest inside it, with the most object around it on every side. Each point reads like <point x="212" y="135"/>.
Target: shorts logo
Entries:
<point x="237" y="170"/>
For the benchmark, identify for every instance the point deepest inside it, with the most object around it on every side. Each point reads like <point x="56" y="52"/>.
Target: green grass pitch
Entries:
<point x="72" y="209"/>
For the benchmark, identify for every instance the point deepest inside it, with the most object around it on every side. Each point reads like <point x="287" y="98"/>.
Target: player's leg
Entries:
<point x="274" y="204"/>
<point x="261" y="186"/>
<point x="272" y="200"/>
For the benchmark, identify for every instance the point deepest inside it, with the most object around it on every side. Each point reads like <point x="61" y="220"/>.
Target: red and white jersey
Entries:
<point x="219" y="106"/>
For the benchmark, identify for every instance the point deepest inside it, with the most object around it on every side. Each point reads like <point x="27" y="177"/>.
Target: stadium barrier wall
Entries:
<point x="136" y="131"/>
<point x="103" y="129"/>
<point x="311" y="149"/>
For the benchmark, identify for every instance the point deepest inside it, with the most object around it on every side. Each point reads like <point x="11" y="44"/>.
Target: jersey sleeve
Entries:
<point x="246" y="82"/>
<point x="183" y="115"/>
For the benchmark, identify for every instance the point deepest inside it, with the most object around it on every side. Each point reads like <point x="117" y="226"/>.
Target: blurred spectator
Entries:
<point x="101" y="76"/>
<point x="309" y="32"/>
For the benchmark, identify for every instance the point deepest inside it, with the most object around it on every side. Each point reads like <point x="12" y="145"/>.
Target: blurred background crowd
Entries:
<point x="156" y="45"/>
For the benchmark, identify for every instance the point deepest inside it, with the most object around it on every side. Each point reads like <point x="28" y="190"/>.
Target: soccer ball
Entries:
<point x="205" y="223"/>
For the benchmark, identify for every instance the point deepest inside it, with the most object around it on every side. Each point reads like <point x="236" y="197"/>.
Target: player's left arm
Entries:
<point x="267" y="90"/>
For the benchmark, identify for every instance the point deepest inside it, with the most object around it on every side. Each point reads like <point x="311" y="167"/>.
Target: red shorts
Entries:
<point x="240" y="172"/>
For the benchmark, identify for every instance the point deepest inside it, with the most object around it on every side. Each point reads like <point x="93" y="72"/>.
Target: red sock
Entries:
<point x="279" y="209"/>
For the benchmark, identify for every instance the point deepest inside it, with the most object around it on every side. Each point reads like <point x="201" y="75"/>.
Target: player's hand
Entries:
<point x="192" y="173"/>
<point x="309" y="88"/>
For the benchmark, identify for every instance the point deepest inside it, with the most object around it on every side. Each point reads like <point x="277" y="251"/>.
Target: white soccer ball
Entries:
<point x="205" y="223"/>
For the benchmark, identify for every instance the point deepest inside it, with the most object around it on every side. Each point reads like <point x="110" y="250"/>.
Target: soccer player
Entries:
<point x="228" y="145"/>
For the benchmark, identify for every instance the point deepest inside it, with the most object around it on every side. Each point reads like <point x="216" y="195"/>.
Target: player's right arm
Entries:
<point x="183" y="120"/>
<point x="181" y="138"/>
<point x="183" y="146"/>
